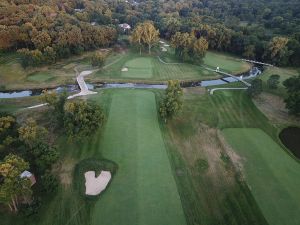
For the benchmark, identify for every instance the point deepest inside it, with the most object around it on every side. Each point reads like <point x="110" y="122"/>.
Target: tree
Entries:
<point x="273" y="81"/>
<point x="13" y="186"/>
<point x="82" y="119"/>
<point x="43" y="156"/>
<point x="50" y="54"/>
<point x="98" y="59"/>
<point x="145" y="33"/>
<point x="136" y="36"/>
<point x="293" y="99"/>
<point x="277" y="50"/>
<point x="255" y="88"/>
<point x="8" y="127"/>
<point x="57" y="103"/>
<point x="249" y="52"/>
<point x="200" y="47"/>
<point x="172" y="102"/>
<point x="31" y="57"/>
<point x="30" y="133"/>
<point x="41" y="40"/>
<point x="189" y="46"/>
<point x="181" y="42"/>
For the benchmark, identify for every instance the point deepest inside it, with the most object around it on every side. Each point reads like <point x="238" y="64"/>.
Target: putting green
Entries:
<point x="143" y="190"/>
<point x="225" y="62"/>
<point x="138" y="68"/>
<point x="272" y="175"/>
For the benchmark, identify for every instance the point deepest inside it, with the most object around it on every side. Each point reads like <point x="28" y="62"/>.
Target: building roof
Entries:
<point x="26" y="174"/>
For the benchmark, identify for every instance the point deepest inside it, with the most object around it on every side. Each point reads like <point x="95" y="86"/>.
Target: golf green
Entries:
<point x="272" y="174"/>
<point x="138" y="68"/>
<point x="143" y="191"/>
<point x="225" y="62"/>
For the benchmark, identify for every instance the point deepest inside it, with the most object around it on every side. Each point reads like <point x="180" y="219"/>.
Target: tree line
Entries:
<point x="43" y="32"/>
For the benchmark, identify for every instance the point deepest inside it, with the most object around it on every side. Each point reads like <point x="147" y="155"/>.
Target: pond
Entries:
<point x="290" y="137"/>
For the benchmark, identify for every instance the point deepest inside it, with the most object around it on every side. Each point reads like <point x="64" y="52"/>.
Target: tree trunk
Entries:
<point x="140" y="50"/>
<point x="14" y="205"/>
<point x="149" y="46"/>
<point x="11" y="209"/>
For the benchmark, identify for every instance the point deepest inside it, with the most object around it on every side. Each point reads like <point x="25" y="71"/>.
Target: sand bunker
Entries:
<point x="125" y="69"/>
<point x="95" y="185"/>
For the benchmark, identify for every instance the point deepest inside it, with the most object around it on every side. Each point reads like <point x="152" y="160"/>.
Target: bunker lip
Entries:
<point x="290" y="139"/>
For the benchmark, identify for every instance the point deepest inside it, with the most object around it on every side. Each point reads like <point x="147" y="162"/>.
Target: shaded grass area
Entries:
<point x="14" y="77"/>
<point x="284" y="74"/>
<point x="270" y="172"/>
<point x="235" y="109"/>
<point x="17" y="104"/>
<point x="226" y="62"/>
<point x="40" y="76"/>
<point x="211" y="189"/>
<point x="143" y="190"/>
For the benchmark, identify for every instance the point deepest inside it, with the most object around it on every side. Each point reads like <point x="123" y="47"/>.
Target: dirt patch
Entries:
<point x="64" y="170"/>
<point x="290" y="138"/>
<point x="205" y="145"/>
<point x="274" y="109"/>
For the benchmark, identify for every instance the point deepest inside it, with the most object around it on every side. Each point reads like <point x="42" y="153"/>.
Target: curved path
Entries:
<point x="211" y="92"/>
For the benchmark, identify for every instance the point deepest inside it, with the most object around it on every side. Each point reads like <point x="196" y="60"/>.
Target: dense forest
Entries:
<point x="47" y="30"/>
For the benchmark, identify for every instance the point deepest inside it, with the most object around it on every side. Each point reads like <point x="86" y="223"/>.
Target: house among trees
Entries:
<point x="30" y="176"/>
<point x="125" y="26"/>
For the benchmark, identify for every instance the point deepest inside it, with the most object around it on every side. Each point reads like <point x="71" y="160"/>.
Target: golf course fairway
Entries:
<point x="143" y="191"/>
<point x="272" y="174"/>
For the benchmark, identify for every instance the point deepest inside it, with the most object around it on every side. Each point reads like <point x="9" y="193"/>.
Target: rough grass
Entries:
<point x="284" y="74"/>
<point x="40" y="76"/>
<point x="210" y="187"/>
<point x="272" y="174"/>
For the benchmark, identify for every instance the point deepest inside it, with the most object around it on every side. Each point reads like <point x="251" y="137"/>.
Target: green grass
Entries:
<point x="235" y="109"/>
<point x="284" y="74"/>
<point x="149" y="69"/>
<point x="143" y="190"/>
<point x="138" y="68"/>
<point x="40" y="76"/>
<point x="225" y="62"/>
<point x="271" y="173"/>
<point x="211" y="190"/>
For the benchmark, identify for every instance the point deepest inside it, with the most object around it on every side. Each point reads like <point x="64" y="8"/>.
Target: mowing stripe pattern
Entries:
<point x="144" y="191"/>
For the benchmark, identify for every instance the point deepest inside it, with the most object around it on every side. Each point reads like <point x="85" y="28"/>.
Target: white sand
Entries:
<point x="125" y="69"/>
<point x="95" y="185"/>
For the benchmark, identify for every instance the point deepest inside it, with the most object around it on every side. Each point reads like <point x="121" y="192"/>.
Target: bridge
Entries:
<point x="256" y="62"/>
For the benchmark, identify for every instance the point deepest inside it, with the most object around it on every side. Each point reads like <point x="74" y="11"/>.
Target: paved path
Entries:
<point x="216" y="89"/>
<point x="228" y="74"/>
<point x="83" y="87"/>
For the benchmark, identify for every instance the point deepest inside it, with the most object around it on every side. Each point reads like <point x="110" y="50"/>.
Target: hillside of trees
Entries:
<point x="44" y="31"/>
<point x="49" y="30"/>
<point x="263" y="30"/>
